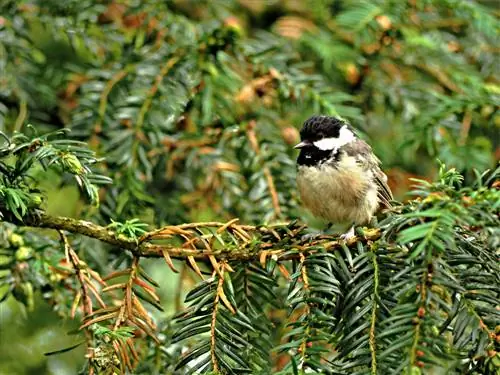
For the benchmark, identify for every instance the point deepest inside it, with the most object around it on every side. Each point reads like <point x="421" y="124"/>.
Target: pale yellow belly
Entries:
<point x="341" y="195"/>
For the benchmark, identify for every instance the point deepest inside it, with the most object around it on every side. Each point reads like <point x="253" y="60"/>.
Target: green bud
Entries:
<point x="24" y="253"/>
<point x="94" y="195"/>
<point x="35" y="201"/>
<point x="16" y="240"/>
<point x="212" y="69"/>
<point x="487" y="110"/>
<point x="71" y="163"/>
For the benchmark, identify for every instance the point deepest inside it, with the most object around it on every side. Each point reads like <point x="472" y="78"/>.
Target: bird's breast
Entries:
<point x="339" y="193"/>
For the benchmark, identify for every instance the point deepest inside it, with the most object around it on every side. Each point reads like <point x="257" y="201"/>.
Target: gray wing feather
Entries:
<point x="363" y="152"/>
<point x="384" y="192"/>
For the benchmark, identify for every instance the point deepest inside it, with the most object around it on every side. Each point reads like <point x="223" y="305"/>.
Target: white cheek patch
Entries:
<point x="327" y="143"/>
<point x="345" y="136"/>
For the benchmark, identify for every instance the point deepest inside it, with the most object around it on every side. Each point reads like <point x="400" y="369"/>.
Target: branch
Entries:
<point x="103" y="101"/>
<point x="373" y="318"/>
<point x="267" y="172"/>
<point x="201" y="240"/>
<point x="83" y="294"/>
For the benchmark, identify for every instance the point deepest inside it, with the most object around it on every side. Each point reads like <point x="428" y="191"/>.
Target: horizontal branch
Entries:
<point x="201" y="240"/>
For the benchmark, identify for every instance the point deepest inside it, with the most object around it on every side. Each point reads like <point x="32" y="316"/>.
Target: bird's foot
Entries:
<point x="348" y="235"/>
<point x="373" y="222"/>
<point x="316" y="236"/>
<point x="309" y="237"/>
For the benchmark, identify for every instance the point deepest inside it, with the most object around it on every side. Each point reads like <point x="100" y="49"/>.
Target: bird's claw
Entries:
<point x="310" y="237"/>
<point x="348" y="235"/>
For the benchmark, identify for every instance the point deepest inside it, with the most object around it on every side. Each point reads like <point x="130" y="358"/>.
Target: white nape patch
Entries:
<point x="345" y="136"/>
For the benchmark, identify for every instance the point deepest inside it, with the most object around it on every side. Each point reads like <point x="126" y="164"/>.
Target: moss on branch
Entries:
<point x="200" y="240"/>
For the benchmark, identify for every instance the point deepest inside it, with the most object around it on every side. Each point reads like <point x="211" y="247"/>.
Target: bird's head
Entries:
<point x="321" y="138"/>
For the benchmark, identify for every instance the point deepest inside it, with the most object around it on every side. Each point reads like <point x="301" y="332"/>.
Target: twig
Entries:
<point x="442" y="23"/>
<point x="23" y="112"/>
<point x="220" y="284"/>
<point x="252" y="137"/>
<point x="464" y="130"/>
<point x="103" y="100"/>
<point x="146" y="105"/>
<point x="86" y="301"/>
<point x="421" y="312"/>
<point x="372" y="341"/>
<point x="150" y="250"/>
<point x="440" y="76"/>
<point x="305" y="282"/>
<point x="152" y="91"/>
<point x="73" y="259"/>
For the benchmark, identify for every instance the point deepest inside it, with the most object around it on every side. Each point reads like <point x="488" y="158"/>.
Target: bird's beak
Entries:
<point x="302" y="144"/>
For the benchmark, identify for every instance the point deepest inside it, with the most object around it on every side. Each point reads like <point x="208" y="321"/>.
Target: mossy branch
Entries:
<point x="200" y="240"/>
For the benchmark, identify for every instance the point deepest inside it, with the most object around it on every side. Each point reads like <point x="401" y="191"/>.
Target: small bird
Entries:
<point x="338" y="176"/>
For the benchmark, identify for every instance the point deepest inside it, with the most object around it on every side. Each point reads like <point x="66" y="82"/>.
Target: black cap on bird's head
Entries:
<point x="321" y="139"/>
<point x="321" y="127"/>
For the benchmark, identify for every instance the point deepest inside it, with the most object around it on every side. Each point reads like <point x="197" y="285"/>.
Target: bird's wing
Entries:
<point x="363" y="152"/>
<point x="384" y="192"/>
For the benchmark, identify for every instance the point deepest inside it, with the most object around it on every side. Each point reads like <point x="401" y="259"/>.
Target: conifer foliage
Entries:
<point x="175" y="122"/>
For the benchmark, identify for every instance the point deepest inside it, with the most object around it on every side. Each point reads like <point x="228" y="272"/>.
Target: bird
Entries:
<point x="339" y="178"/>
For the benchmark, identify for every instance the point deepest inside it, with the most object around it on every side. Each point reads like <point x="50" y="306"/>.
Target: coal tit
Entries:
<point x="338" y="176"/>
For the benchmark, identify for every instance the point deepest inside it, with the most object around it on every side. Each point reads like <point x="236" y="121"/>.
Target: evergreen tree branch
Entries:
<point x="103" y="99"/>
<point x="252" y="137"/>
<point x="373" y="318"/>
<point x="248" y="248"/>
<point x="213" y="323"/>
<point x="83" y="294"/>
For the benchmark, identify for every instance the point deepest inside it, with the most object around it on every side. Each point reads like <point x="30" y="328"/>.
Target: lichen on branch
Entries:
<point x="231" y="241"/>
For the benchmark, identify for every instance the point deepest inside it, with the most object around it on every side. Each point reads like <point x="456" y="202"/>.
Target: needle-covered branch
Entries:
<point x="224" y="241"/>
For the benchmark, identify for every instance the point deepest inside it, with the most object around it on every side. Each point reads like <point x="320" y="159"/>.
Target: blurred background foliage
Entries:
<point x="196" y="104"/>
